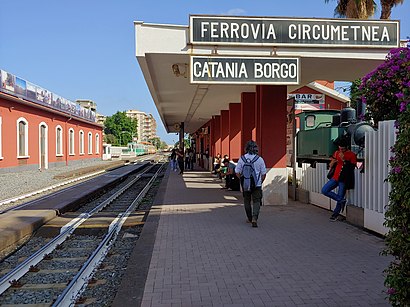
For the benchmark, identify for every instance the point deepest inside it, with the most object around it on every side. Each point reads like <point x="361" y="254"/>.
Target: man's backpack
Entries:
<point x="248" y="177"/>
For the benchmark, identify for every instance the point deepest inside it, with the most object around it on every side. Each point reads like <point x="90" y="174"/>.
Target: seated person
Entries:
<point x="231" y="180"/>
<point x="217" y="163"/>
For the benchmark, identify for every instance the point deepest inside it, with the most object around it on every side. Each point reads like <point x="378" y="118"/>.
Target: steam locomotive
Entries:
<point x="320" y="131"/>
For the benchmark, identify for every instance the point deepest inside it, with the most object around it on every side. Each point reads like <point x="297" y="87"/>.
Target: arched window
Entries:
<point x="71" y="142"/>
<point x="59" y="141"/>
<point x="97" y="144"/>
<point x="43" y="145"/>
<point x="90" y="143"/>
<point x="22" y="138"/>
<point x="81" y="142"/>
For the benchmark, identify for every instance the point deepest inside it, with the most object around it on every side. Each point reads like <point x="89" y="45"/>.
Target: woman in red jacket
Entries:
<point x="343" y="177"/>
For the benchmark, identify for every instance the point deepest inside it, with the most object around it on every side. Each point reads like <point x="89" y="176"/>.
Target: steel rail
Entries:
<point x="79" y="283"/>
<point x="65" y="232"/>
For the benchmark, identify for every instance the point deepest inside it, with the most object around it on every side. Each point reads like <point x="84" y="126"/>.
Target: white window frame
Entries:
<point x="90" y="143"/>
<point x="81" y="142"/>
<point x="46" y="144"/>
<point x="59" y="135"/>
<point x="97" y="143"/>
<point x="71" y="142"/>
<point x="25" y="155"/>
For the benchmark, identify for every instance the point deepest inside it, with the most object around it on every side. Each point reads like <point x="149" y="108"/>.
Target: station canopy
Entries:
<point x="193" y="72"/>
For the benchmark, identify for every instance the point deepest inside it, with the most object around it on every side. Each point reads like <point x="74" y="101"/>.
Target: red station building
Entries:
<point x="40" y="130"/>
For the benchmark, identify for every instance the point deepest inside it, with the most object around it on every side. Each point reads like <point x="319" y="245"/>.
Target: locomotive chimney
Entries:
<point x="360" y="109"/>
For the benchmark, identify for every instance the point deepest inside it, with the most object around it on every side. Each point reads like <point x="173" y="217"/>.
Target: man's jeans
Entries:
<point x="256" y="197"/>
<point x="328" y="191"/>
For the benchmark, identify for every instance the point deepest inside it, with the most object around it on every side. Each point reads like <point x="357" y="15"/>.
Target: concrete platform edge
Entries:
<point x="138" y="265"/>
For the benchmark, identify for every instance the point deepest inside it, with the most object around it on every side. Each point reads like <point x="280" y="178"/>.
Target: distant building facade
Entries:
<point x="87" y="104"/>
<point x="147" y="125"/>
<point x="100" y="119"/>
<point x="39" y="129"/>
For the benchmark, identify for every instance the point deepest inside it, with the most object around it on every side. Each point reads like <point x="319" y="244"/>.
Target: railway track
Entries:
<point x="19" y="201"/>
<point x="59" y="268"/>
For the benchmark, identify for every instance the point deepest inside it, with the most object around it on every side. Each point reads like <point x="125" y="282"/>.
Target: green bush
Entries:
<point x="386" y="92"/>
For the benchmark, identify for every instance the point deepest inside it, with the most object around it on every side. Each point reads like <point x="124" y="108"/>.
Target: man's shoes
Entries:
<point x="248" y="221"/>
<point x="333" y="218"/>
<point x="254" y="223"/>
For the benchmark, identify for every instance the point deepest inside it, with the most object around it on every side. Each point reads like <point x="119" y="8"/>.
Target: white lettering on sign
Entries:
<point x="308" y="98"/>
<point x="220" y="70"/>
<point x="273" y="31"/>
<point x="275" y="70"/>
<point x="338" y="32"/>
<point x="237" y="31"/>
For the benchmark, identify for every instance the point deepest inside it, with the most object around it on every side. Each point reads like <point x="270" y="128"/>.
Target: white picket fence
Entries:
<point x="371" y="189"/>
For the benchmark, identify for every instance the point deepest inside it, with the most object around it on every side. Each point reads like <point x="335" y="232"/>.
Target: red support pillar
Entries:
<point x="271" y="133"/>
<point x="248" y="118"/>
<point x="234" y="131"/>
<point x="224" y="132"/>
<point x="217" y="135"/>
<point x="258" y="114"/>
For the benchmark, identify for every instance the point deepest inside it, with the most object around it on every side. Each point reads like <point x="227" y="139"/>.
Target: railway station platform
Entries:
<point x="196" y="249"/>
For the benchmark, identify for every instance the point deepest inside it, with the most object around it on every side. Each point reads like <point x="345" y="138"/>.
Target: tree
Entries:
<point x="164" y="145"/>
<point x="363" y="9"/>
<point x="156" y="141"/>
<point x="387" y="6"/>
<point x="359" y="9"/>
<point x="121" y="127"/>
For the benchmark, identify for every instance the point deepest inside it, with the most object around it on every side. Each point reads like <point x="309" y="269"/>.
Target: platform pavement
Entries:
<point x="204" y="254"/>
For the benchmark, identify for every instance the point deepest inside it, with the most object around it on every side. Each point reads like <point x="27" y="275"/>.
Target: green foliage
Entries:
<point x="187" y="143"/>
<point x="379" y="89"/>
<point x="109" y="139"/>
<point x="394" y="91"/>
<point x="355" y="95"/>
<point x="164" y="145"/>
<point x="121" y="127"/>
<point x="156" y="142"/>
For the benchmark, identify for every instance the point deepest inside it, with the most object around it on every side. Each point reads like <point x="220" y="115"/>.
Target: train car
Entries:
<point x="138" y="148"/>
<point x="320" y="131"/>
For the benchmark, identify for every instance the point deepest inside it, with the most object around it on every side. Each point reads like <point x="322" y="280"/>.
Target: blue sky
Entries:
<point x="85" y="49"/>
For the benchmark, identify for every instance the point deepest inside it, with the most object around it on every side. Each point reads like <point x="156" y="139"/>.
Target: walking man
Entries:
<point x="251" y="170"/>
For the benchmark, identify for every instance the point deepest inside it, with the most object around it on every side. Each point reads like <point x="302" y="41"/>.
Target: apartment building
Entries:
<point x="147" y="125"/>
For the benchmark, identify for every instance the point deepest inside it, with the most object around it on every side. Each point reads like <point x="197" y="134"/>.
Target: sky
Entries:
<point x="85" y="49"/>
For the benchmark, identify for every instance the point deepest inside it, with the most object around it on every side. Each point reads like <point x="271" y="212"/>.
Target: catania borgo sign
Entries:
<point x="240" y="70"/>
<point x="265" y="31"/>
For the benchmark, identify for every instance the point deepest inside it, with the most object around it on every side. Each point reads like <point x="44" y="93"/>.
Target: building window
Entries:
<point x="22" y="138"/>
<point x="81" y="142"/>
<point x="90" y="143"/>
<point x="71" y="142"/>
<point x="59" y="141"/>
<point x="97" y="144"/>
<point x="43" y="145"/>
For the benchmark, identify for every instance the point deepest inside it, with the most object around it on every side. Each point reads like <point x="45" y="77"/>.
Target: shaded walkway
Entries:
<point x="206" y="255"/>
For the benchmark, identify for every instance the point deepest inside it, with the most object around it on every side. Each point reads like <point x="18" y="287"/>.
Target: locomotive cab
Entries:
<point x="320" y="131"/>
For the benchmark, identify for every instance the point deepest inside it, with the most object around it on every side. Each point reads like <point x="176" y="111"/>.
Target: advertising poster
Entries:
<point x="7" y="81"/>
<point x="20" y="87"/>
<point x="56" y="101"/>
<point x="31" y="91"/>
